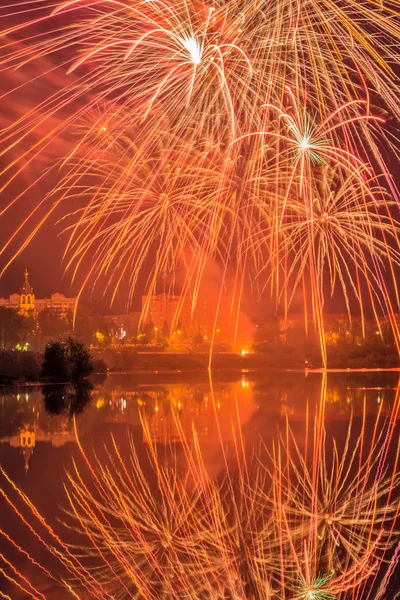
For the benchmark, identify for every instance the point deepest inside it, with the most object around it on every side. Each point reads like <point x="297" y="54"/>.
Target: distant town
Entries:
<point x="171" y="323"/>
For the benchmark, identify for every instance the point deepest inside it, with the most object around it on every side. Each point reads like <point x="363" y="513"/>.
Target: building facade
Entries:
<point x="123" y="327"/>
<point x="214" y="317"/>
<point x="173" y="310"/>
<point x="26" y="303"/>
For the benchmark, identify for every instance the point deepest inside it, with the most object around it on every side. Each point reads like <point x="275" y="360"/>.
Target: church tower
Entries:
<point x="26" y="297"/>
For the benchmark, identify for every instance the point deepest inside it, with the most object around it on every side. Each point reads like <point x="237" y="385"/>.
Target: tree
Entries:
<point x="269" y="331"/>
<point x="102" y="334"/>
<point x="14" y="328"/>
<point x="83" y="327"/>
<point x="197" y="339"/>
<point x="90" y="328"/>
<point x="55" y="365"/>
<point x="19" y="365"/>
<point x="165" y="330"/>
<point x="67" y="361"/>
<point x="51" y="324"/>
<point x="79" y="360"/>
<point x="148" y="333"/>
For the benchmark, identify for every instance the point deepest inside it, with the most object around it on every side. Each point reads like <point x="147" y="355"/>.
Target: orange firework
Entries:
<point x="186" y="87"/>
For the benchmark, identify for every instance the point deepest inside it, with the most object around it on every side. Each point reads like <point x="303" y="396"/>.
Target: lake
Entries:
<point x="228" y="416"/>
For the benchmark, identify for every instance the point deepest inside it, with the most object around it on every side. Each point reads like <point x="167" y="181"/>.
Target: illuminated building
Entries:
<point x="27" y="304"/>
<point x="182" y="318"/>
<point x="123" y="326"/>
<point x="175" y="311"/>
<point x="26" y="297"/>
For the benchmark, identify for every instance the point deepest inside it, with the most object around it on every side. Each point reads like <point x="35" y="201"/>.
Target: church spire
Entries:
<point x="26" y="288"/>
<point x="26" y="297"/>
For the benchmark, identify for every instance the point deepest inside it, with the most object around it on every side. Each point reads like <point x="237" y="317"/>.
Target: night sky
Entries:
<point x="21" y="90"/>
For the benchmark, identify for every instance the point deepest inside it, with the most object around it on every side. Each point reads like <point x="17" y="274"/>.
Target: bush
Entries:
<point x="67" y="361"/>
<point x="55" y="366"/>
<point x="99" y="366"/>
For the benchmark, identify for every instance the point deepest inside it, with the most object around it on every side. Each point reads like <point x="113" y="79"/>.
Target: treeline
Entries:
<point x="20" y="332"/>
<point x="67" y="361"/>
<point x="19" y="366"/>
<point x="346" y="347"/>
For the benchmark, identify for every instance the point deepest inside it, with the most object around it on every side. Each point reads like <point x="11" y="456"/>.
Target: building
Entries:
<point x="173" y="310"/>
<point x="227" y="325"/>
<point x="26" y="303"/>
<point x="57" y="303"/>
<point x="123" y="327"/>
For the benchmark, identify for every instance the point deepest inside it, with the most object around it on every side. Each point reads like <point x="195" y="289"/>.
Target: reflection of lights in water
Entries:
<point x="245" y="384"/>
<point x="100" y="403"/>
<point x="172" y="528"/>
<point x="343" y="504"/>
<point x="244" y="352"/>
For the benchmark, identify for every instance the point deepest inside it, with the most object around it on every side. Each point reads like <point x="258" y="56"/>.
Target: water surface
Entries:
<point x="37" y="445"/>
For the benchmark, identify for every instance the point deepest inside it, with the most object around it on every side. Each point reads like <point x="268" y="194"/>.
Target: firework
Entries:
<point x="180" y="91"/>
<point x="135" y="209"/>
<point x="340" y="240"/>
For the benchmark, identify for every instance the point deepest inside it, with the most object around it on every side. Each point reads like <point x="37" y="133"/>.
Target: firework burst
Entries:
<point x="313" y="80"/>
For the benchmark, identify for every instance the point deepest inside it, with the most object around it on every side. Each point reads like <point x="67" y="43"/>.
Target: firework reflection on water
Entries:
<point x="306" y="514"/>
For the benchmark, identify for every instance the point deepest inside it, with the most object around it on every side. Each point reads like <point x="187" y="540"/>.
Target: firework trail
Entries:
<point x="237" y="106"/>
<point x="340" y="241"/>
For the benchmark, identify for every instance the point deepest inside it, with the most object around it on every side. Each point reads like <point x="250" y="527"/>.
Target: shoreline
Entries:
<point x="228" y="373"/>
<point x="24" y="368"/>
